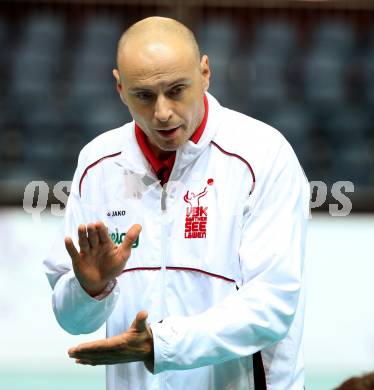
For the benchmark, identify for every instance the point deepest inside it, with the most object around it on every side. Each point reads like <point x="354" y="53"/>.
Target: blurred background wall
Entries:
<point x="306" y="67"/>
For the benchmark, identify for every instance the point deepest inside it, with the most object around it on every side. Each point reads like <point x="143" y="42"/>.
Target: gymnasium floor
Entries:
<point x="94" y="379"/>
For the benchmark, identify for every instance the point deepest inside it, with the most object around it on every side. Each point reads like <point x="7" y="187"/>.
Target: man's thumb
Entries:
<point x="140" y="322"/>
<point x="131" y="236"/>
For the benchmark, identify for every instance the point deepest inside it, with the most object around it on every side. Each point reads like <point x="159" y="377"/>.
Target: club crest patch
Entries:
<point x="196" y="214"/>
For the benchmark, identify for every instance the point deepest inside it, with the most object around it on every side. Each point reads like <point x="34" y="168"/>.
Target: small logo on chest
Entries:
<point x="116" y="213"/>
<point x="196" y="214"/>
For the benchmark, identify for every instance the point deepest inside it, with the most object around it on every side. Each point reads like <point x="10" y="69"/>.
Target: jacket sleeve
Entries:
<point x="75" y="310"/>
<point x="271" y="254"/>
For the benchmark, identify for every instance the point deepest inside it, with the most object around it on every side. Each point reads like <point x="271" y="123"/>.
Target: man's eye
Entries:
<point x="177" y="91"/>
<point x="144" y="96"/>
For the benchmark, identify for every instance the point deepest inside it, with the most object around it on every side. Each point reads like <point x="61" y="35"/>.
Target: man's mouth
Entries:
<point x="166" y="133"/>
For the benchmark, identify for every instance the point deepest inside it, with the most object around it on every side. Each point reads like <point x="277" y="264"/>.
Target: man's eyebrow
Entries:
<point x="168" y="86"/>
<point x="180" y="81"/>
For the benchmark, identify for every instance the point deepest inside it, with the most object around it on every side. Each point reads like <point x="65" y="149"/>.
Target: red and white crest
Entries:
<point x="196" y="214"/>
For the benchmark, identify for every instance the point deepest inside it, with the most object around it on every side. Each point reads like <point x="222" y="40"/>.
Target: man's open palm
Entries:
<point x="99" y="260"/>
<point x="136" y="344"/>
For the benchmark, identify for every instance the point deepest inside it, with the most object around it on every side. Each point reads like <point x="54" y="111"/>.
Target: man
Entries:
<point x="205" y="289"/>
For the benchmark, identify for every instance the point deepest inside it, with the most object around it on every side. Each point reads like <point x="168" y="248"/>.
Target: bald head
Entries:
<point x="157" y="29"/>
<point x="162" y="80"/>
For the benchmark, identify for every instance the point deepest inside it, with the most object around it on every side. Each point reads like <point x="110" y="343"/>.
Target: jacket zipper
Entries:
<point x="162" y="381"/>
<point x="164" y="235"/>
<point x="163" y="247"/>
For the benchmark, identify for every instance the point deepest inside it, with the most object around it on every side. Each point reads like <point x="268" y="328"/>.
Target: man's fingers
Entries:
<point x="82" y="239"/>
<point x="93" y="236"/>
<point x="84" y="362"/>
<point x="69" y="245"/>
<point x="96" y="347"/>
<point x="103" y="232"/>
<point x="93" y="347"/>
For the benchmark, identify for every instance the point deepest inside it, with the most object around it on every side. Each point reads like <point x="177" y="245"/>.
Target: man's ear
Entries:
<point x="119" y="86"/>
<point x="205" y="71"/>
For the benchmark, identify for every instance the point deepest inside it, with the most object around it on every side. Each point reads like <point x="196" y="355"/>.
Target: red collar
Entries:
<point x="195" y="138"/>
<point x="163" y="168"/>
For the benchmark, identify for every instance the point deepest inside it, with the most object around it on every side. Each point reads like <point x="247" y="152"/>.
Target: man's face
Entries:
<point x="164" y="88"/>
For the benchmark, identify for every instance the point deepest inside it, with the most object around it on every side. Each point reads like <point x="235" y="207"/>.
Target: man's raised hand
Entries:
<point x="99" y="260"/>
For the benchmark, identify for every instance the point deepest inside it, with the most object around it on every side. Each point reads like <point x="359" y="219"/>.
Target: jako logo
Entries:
<point x="117" y="238"/>
<point x="116" y="213"/>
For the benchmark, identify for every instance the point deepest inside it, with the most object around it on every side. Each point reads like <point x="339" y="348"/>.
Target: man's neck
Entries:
<point x="160" y="154"/>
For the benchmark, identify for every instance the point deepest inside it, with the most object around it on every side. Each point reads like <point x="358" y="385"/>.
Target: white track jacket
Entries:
<point x="219" y="259"/>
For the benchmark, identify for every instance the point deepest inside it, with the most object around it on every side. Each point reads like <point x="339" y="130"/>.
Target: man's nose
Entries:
<point x="163" y="110"/>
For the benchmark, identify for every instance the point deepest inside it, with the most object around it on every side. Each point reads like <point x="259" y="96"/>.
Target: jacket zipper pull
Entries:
<point x="163" y="198"/>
